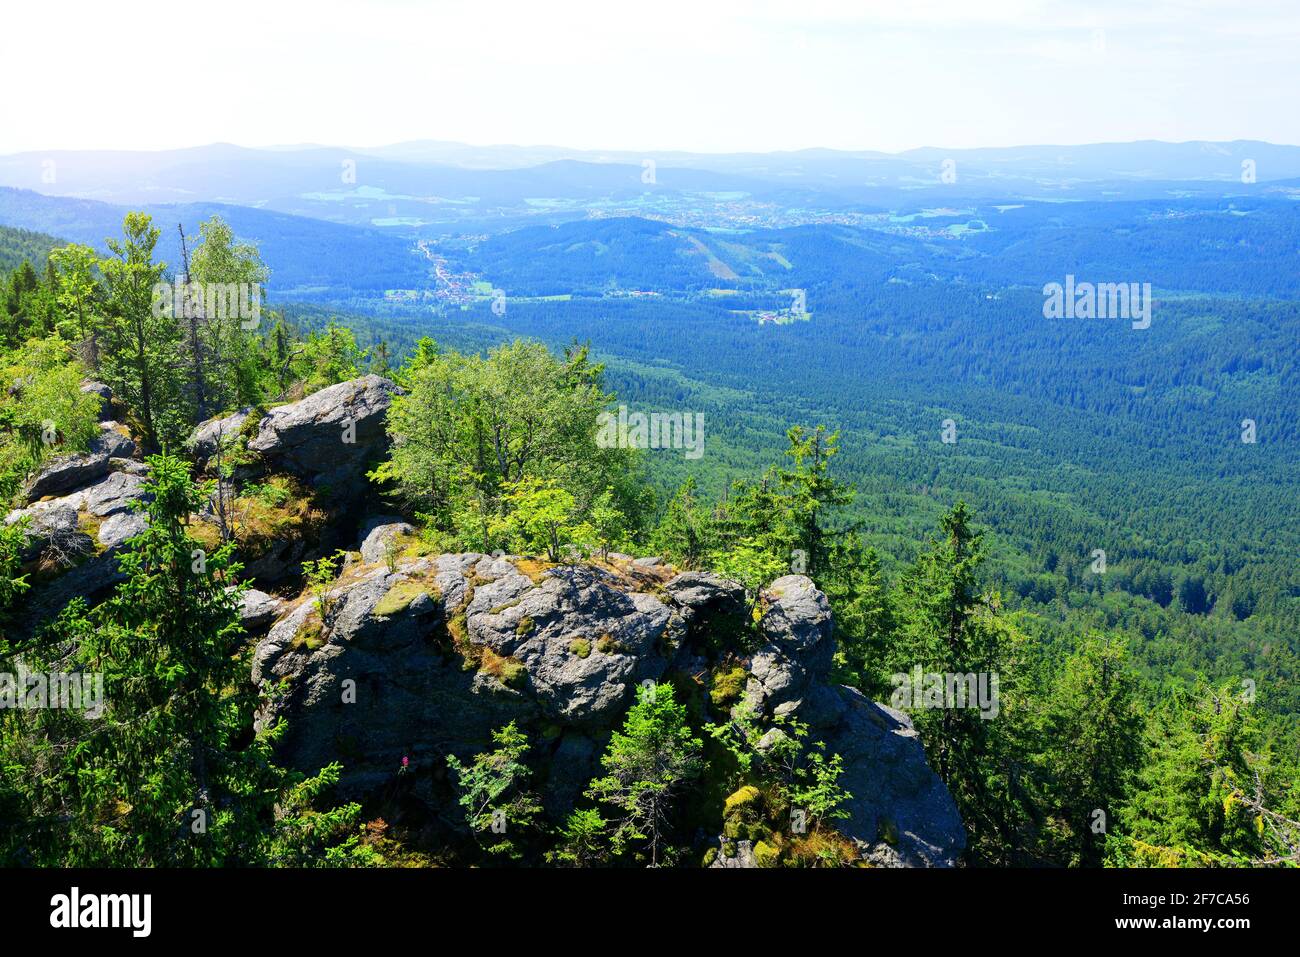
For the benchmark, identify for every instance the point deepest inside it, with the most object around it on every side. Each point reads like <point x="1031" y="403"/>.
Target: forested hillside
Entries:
<point x="314" y="260"/>
<point x="1241" y="247"/>
<point x="941" y="463"/>
<point x="22" y="245"/>
<point x="1069" y="438"/>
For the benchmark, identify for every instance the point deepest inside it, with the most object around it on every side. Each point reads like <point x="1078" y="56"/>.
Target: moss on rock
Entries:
<point x="745" y="801"/>
<point x="509" y="671"/>
<point x="726" y="686"/>
<point x="399" y="597"/>
<point x="310" y="634"/>
<point x="513" y="673"/>
<point x="765" y="855"/>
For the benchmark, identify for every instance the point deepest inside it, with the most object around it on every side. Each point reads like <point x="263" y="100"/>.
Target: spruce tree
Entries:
<point x="164" y="775"/>
<point x="1092" y="738"/>
<point x="648" y="765"/>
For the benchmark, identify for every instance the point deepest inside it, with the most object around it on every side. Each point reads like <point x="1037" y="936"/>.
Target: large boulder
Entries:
<point x="429" y="659"/>
<point x="60" y="529"/>
<point x="583" y="640"/>
<point x="319" y="449"/>
<point x="448" y="648"/>
<point x="105" y="396"/>
<point x="794" y="662"/>
<point x="900" y="813"/>
<point x="114" y="494"/>
<point x="63" y="473"/>
<point x="209" y="436"/>
<point x="91" y="580"/>
<point x="257" y="609"/>
<point x="329" y="438"/>
<point x="80" y="536"/>
<point x="55" y="531"/>
<point x="376" y="682"/>
<point x="119" y="528"/>
<point x="379" y="533"/>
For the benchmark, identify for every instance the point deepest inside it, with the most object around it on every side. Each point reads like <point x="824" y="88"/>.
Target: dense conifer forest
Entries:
<point x="942" y="464"/>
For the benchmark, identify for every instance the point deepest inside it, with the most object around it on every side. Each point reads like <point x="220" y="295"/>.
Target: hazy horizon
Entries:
<point x="647" y="150"/>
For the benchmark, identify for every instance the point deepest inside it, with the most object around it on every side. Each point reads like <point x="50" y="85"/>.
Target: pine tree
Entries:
<point x="160" y="778"/>
<point x="813" y="497"/>
<point x="647" y="766"/>
<point x="77" y="298"/>
<point x="494" y="794"/>
<point x="381" y="359"/>
<point x="581" y="841"/>
<point x="864" y="624"/>
<point x="683" y="534"/>
<point x="1200" y="800"/>
<point x="1092" y="738"/>
<point x="945" y="628"/>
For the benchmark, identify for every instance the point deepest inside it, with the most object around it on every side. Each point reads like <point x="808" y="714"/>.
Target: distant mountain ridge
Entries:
<point x="1158" y="159"/>
<point x="308" y="257"/>
<point x="1193" y="245"/>
<point x="482" y="189"/>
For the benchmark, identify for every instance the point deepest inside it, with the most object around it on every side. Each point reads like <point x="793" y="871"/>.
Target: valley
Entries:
<point x="1133" y="476"/>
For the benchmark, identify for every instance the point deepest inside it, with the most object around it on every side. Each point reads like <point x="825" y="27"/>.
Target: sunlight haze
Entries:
<point x="697" y="76"/>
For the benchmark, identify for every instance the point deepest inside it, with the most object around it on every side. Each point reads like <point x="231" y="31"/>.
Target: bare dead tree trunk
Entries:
<point x="224" y="495"/>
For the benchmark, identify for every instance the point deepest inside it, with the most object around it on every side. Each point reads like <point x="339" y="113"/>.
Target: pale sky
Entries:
<point x="704" y="75"/>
